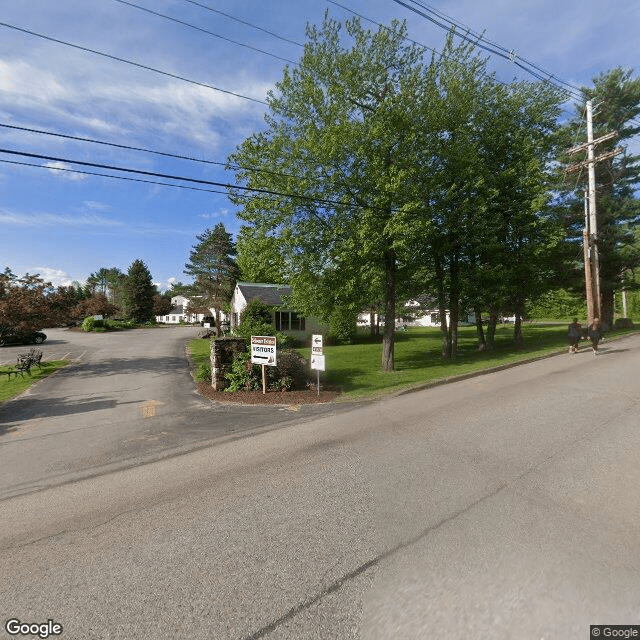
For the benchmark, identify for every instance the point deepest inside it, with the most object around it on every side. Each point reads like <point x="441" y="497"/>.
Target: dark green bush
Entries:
<point x="204" y="373"/>
<point x="290" y="374"/>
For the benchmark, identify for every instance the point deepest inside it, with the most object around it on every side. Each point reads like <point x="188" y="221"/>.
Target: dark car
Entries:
<point x="33" y="337"/>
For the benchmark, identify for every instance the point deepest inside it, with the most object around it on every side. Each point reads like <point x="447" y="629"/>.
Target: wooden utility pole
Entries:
<point x="590" y="234"/>
<point x="588" y="278"/>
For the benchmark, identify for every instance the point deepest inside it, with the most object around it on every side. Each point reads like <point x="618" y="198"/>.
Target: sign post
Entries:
<point x="263" y="352"/>
<point x="317" y="357"/>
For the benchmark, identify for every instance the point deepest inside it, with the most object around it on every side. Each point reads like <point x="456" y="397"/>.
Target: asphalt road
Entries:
<point x="127" y="397"/>
<point x="503" y="506"/>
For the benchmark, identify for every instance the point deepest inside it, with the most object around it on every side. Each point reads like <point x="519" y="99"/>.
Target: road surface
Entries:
<point x="125" y="398"/>
<point x="503" y="506"/>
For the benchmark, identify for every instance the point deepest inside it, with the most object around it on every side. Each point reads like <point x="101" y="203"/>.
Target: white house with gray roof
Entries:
<point x="284" y="318"/>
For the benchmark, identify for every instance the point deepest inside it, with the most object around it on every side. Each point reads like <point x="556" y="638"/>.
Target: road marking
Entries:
<point x="79" y="357"/>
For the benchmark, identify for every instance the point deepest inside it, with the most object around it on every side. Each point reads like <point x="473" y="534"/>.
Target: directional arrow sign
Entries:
<point x="316" y="345"/>
<point x="263" y="350"/>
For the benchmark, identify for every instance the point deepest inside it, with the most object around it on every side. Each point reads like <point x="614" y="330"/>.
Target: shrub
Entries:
<point x="291" y="373"/>
<point x="244" y="376"/>
<point x="204" y="373"/>
<point x="90" y="324"/>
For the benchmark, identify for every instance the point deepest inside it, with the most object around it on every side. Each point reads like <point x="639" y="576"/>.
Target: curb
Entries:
<point x="501" y="367"/>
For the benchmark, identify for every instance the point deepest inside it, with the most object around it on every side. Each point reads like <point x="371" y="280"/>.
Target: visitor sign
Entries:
<point x="316" y="345"/>
<point x="263" y="350"/>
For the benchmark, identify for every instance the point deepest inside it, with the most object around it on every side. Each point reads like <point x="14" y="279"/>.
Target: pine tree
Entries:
<point x="212" y="265"/>
<point x="616" y="98"/>
<point x="139" y="292"/>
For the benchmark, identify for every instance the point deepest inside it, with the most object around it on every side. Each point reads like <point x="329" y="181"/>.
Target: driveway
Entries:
<point x="126" y="398"/>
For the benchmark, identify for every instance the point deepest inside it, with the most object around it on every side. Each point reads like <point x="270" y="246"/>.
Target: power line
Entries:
<point x="142" y="149"/>
<point x="154" y="174"/>
<point x="110" y="175"/>
<point x="490" y="47"/>
<point x="130" y="62"/>
<point x="249" y="24"/>
<point x="211" y="33"/>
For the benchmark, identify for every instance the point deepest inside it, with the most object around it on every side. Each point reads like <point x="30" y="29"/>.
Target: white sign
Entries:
<point x="263" y="350"/>
<point x="316" y="345"/>
<point x="317" y="363"/>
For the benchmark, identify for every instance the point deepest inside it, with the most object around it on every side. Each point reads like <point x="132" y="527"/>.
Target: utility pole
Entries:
<point x="590" y="234"/>
<point x="588" y="278"/>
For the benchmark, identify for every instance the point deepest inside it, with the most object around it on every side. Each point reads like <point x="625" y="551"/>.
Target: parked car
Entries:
<point x="33" y="337"/>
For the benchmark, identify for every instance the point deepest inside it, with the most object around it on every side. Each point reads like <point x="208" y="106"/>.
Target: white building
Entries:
<point x="178" y="313"/>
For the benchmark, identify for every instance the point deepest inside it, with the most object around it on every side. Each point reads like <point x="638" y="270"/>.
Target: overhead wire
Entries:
<point x="241" y="21"/>
<point x="130" y="62"/>
<point x="195" y="27"/>
<point x="141" y="149"/>
<point x="155" y="174"/>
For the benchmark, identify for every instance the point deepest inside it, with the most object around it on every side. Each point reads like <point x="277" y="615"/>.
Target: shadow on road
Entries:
<point x="145" y="364"/>
<point x="28" y="408"/>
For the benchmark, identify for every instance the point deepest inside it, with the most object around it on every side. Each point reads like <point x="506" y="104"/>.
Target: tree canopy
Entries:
<point x="383" y="172"/>
<point x="212" y="265"/>
<point x="616" y="98"/>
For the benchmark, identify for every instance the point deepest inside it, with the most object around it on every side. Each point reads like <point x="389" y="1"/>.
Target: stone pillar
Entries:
<point x="223" y="353"/>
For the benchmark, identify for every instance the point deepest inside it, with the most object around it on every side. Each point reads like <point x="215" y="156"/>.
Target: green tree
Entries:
<point x="260" y="257"/>
<point x="334" y="133"/>
<point x="139" y="292"/>
<point x="212" y="265"/>
<point x="616" y="98"/>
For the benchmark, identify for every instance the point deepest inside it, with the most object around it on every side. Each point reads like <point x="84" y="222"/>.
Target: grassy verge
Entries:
<point x="356" y="370"/>
<point x="9" y="388"/>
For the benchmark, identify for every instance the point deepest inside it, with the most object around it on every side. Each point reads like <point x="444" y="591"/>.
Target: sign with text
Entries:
<point x="316" y="345"/>
<point x="263" y="350"/>
<point x="317" y="363"/>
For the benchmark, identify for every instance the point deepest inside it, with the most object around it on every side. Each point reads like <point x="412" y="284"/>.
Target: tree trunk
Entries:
<point x="389" y="310"/>
<point x="517" y="327"/>
<point x="491" y="329"/>
<point x="373" y="321"/>
<point x="607" y="309"/>
<point x="217" y="321"/>
<point x="482" y="343"/>
<point x="442" y="309"/>
<point x="454" y="305"/>
<point x="454" y="313"/>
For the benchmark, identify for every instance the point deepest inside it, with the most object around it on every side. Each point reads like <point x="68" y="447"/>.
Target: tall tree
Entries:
<point x="139" y="292"/>
<point x="212" y="265"/>
<point x="616" y="98"/>
<point x="334" y="135"/>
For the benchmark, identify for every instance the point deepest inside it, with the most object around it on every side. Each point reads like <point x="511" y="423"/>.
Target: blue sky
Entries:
<point x="65" y="225"/>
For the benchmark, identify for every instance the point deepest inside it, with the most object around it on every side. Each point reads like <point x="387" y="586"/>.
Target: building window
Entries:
<point x="435" y="318"/>
<point x="289" y="321"/>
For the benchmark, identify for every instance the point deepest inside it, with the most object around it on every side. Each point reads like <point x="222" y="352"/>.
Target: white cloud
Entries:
<point x="124" y="104"/>
<point x="94" y="205"/>
<point x="64" y="171"/>
<point x="56" y="220"/>
<point x="212" y="216"/>
<point x="56" y="277"/>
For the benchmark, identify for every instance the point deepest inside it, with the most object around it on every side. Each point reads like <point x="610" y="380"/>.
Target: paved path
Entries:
<point x="499" y="507"/>
<point x="126" y="397"/>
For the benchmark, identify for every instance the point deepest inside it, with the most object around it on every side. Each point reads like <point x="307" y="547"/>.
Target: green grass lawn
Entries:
<point x="356" y="369"/>
<point x="9" y="388"/>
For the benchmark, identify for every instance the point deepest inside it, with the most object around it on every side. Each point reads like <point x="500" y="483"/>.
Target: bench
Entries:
<point x="25" y="361"/>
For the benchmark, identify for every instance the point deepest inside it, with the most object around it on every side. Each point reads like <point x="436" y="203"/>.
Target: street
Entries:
<point x="126" y="397"/>
<point x="503" y="506"/>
